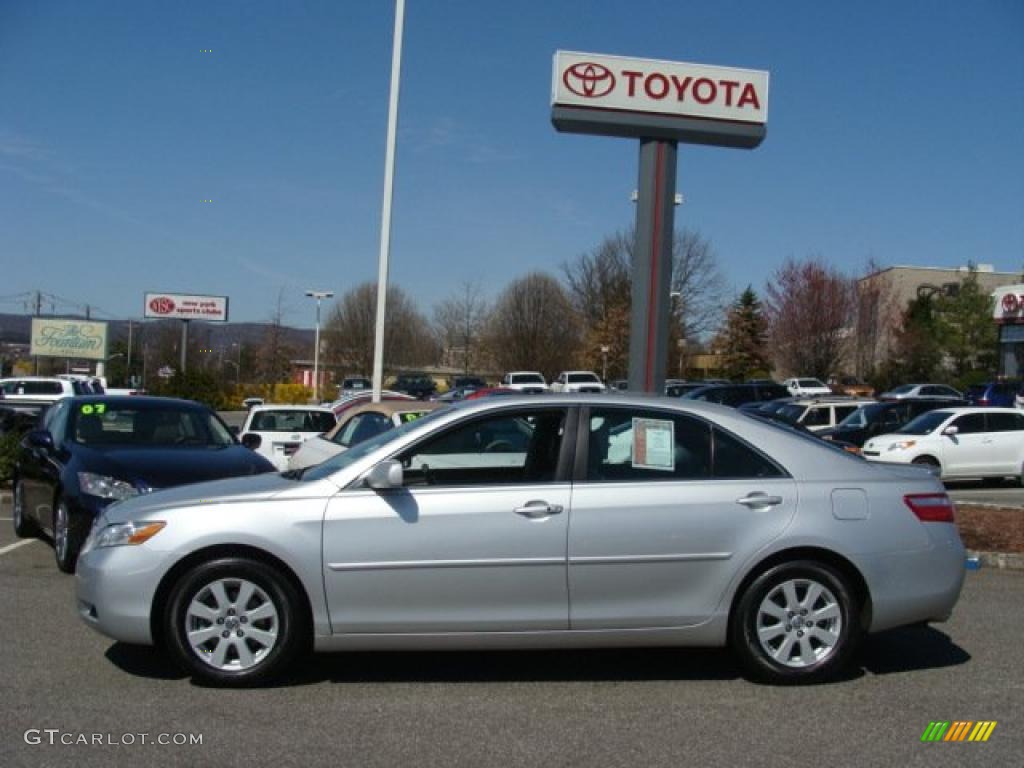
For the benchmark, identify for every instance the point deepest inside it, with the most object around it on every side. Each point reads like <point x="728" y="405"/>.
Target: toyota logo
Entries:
<point x="589" y="80"/>
<point x="1011" y="303"/>
<point x="161" y="305"/>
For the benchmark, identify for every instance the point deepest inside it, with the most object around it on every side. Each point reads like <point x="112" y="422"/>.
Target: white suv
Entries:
<point x="820" y="413"/>
<point x="277" y="431"/>
<point x="577" y="381"/>
<point x="806" y="387"/>
<point x="958" y="442"/>
<point x="528" y="382"/>
<point x="40" y="388"/>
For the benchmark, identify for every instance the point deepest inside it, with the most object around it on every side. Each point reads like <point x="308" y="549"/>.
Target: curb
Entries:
<point x="1009" y="561"/>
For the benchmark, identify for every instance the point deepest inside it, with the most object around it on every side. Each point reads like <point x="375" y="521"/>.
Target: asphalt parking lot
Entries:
<point x="63" y="682"/>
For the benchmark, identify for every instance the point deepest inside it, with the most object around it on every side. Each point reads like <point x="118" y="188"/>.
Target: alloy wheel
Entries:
<point x="232" y="624"/>
<point x="799" y="623"/>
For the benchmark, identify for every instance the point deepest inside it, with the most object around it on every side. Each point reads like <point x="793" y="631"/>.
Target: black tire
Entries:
<point x="781" y="667"/>
<point x="23" y="527"/>
<point x="928" y="461"/>
<point x="69" y="532"/>
<point x="292" y="632"/>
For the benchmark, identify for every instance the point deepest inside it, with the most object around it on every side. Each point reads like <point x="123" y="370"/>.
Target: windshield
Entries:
<point x="583" y="378"/>
<point x="903" y="389"/>
<point x="527" y="378"/>
<point x="97" y="424"/>
<point x="342" y="460"/>
<point x="924" y="424"/>
<point x="862" y="416"/>
<point x="791" y="412"/>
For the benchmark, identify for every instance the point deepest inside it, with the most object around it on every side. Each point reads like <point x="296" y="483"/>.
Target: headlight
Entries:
<point x="902" y="445"/>
<point x="121" y="534"/>
<point x="105" y="487"/>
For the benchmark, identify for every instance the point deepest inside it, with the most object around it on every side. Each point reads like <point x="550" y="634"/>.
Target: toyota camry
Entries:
<point x="566" y="521"/>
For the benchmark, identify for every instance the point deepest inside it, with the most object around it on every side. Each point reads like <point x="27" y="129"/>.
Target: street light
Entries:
<point x="319" y="296"/>
<point x="604" y="362"/>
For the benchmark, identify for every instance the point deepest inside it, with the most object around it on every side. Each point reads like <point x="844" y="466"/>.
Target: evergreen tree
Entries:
<point x="746" y="336"/>
<point x="966" y="333"/>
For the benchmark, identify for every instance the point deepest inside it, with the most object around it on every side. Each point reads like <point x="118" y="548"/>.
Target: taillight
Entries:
<point x="983" y="401"/>
<point x="930" y="507"/>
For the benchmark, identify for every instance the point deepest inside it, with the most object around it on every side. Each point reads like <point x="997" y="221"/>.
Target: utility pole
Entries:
<point x="39" y="306"/>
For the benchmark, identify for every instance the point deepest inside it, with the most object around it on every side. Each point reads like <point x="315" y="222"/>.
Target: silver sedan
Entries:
<point x="566" y="521"/>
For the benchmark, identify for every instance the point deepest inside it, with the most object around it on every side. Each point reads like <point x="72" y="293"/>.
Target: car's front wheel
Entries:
<point x="796" y="623"/>
<point x="234" y="622"/>
<point x="69" y="532"/>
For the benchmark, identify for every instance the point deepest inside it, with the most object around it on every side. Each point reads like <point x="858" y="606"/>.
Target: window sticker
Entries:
<point x="408" y="416"/>
<point x="653" y="442"/>
<point x="98" y="408"/>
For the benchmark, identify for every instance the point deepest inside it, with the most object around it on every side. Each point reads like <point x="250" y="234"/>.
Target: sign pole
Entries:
<point x="184" y="344"/>
<point x="652" y="266"/>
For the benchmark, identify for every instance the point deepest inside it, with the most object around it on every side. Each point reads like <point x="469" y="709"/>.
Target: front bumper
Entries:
<point x="115" y="586"/>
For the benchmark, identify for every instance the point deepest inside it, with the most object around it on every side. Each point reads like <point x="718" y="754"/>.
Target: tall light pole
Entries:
<point x="319" y="296"/>
<point x="604" y="362"/>
<point x="385" y="219"/>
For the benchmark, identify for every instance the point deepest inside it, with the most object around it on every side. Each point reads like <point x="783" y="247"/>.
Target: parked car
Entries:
<point x="42" y="389"/>
<point x="359" y="424"/>
<point x="491" y="392"/>
<point x="851" y="385"/>
<point x="819" y="413"/>
<point x="937" y="391"/>
<point x="999" y="393"/>
<point x="678" y="389"/>
<point x="277" y="431"/>
<point x="474" y="382"/>
<point x="691" y="524"/>
<point x="806" y="387"/>
<point x="352" y="384"/>
<point x="527" y="382"/>
<point x="577" y="381"/>
<point x="736" y="395"/>
<point x="878" y="418"/>
<point x="93" y="450"/>
<point x="618" y="385"/>
<point x="18" y="419"/>
<point x="415" y="384"/>
<point x="958" y="443"/>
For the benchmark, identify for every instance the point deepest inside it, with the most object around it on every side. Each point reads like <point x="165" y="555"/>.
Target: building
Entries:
<point x="884" y="295"/>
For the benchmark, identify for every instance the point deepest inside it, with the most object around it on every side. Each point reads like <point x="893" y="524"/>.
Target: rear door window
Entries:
<point x="627" y="445"/>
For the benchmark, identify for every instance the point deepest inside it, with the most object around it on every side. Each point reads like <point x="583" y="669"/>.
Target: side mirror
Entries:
<point x="251" y="441"/>
<point x="951" y="431"/>
<point x="41" y="439"/>
<point x="387" y="474"/>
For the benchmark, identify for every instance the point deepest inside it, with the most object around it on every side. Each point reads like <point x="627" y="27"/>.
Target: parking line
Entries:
<point x="15" y="545"/>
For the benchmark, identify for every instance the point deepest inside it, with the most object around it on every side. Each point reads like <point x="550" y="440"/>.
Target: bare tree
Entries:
<point x="459" y="321"/>
<point x="274" y="353"/>
<point x="599" y="284"/>
<point x="350" y="331"/>
<point x="533" y="326"/>
<point x="809" y="307"/>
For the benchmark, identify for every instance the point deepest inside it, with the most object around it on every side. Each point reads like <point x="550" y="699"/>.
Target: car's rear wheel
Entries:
<point x="796" y="623"/>
<point x="234" y="622"/>
<point x="23" y="527"/>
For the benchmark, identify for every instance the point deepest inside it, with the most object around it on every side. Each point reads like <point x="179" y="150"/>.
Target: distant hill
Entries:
<point x="17" y="329"/>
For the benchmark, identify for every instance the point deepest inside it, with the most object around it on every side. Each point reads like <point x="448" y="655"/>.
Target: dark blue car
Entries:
<point x="995" y="393"/>
<point x="90" y="451"/>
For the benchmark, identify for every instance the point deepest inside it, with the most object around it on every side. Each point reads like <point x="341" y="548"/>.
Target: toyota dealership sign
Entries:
<point x="186" y="307"/>
<point x="647" y="98"/>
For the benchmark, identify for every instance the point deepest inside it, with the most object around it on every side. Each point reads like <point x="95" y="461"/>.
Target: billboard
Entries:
<point x="648" y="98"/>
<point x="57" y="337"/>
<point x="178" y="306"/>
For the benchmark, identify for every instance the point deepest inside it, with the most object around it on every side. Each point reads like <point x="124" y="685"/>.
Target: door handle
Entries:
<point x="758" y="500"/>
<point x="537" y="509"/>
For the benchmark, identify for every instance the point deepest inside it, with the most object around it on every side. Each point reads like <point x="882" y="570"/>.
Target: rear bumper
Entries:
<point x="919" y="586"/>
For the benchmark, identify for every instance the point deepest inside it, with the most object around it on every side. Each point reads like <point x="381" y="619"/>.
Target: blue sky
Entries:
<point x="894" y="133"/>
